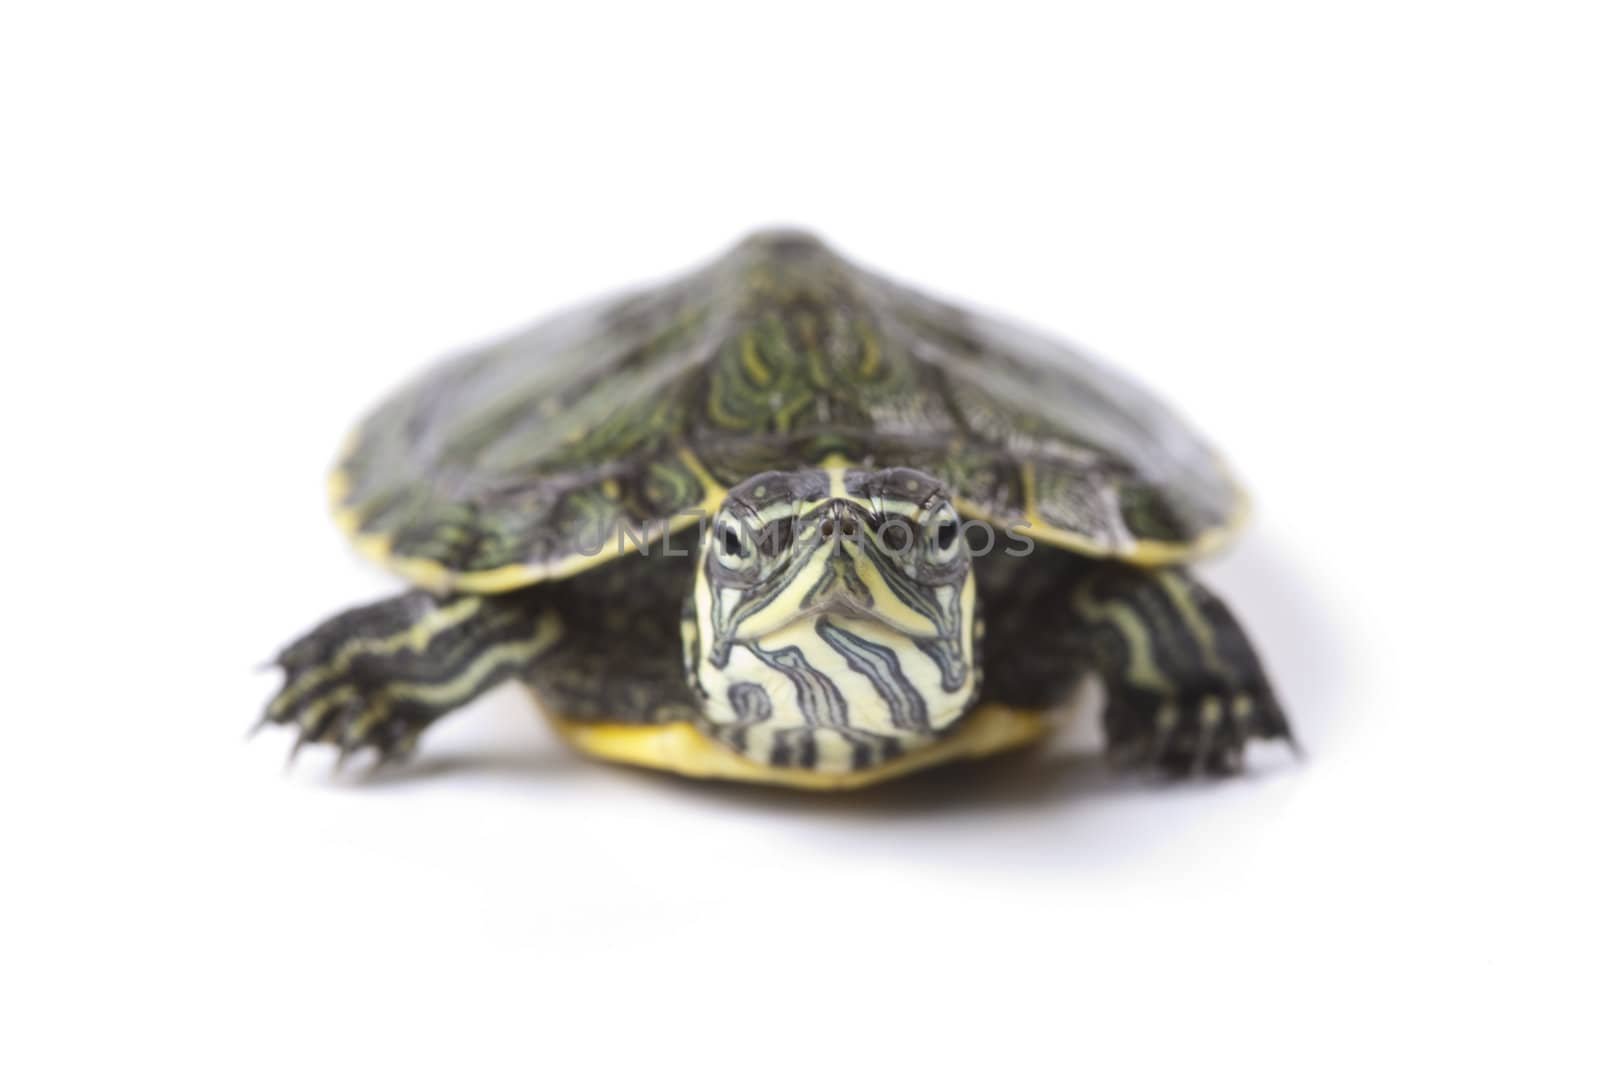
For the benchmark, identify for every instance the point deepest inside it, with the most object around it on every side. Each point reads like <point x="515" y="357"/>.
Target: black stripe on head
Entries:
<point x="819" y="701"/>
<point x="750" y="702"/>
<point x="881" y="666"/>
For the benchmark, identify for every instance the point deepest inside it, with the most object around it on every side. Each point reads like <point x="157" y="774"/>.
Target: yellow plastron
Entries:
<point x="682" y="749"/>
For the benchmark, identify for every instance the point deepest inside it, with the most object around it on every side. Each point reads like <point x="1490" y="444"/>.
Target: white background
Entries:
<point x="1358" y="244"/>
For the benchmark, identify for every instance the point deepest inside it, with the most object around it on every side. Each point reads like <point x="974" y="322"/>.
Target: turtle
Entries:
<point x="782" y="519"/>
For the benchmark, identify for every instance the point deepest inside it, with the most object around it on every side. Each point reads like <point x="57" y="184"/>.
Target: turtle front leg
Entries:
<point x="1185" y="690"/>
<point x="376" y="676"/>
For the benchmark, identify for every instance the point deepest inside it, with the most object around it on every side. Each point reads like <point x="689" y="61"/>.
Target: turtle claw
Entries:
<point x="398" y="753"/>
<point x="390" y="745"/>
<point x="345" y="752"/>
<point x="336" y="692"/>
<point x="1202" y="733"/>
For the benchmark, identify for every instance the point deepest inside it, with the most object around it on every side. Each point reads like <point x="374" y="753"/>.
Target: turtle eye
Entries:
<point x="944" y="534"/>
<point x="733" y="549"/>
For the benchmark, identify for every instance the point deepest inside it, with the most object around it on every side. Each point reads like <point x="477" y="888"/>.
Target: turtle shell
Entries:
<point x="555" y="449"/>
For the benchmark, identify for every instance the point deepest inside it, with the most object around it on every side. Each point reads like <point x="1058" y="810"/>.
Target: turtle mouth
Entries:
<point x="842" y="608"/>
<point x="840" y="613"/>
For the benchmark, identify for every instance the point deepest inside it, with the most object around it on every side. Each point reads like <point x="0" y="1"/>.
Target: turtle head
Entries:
<point x="834" y="615"/>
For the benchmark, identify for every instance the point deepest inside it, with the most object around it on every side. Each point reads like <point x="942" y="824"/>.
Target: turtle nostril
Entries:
<point x="827" y="528"/>
<point x="848" y="526"/>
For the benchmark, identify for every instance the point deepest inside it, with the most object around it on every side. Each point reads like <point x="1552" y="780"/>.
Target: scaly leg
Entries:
<point x="377" y="676"/>
<point x="1186" y="691"/>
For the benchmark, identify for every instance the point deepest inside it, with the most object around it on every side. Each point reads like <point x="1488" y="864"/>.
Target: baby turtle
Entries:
<point x="785" y="520"/>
